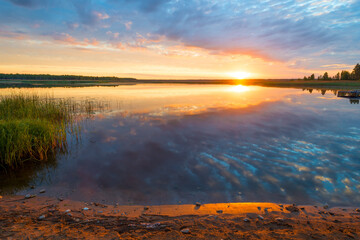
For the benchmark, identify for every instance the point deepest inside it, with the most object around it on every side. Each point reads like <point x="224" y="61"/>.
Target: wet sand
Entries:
<point x="41" y="217"/>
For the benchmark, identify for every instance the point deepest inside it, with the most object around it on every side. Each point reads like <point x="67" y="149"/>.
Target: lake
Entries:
<point x="169" y="144"/>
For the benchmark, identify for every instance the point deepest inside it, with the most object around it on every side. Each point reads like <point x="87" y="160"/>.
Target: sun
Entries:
<point x="240" y="75"/>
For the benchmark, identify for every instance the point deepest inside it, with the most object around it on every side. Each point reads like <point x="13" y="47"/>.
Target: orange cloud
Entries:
<point x="66" y="38"/>
<point x="13" y="35"/>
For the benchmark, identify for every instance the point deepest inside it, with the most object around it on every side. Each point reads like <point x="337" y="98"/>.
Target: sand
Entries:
<point x="49" y="218"/>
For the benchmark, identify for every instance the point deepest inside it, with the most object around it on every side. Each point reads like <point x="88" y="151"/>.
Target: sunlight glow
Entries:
<point x="239" y="88"/>
<point x="240" y="75"/>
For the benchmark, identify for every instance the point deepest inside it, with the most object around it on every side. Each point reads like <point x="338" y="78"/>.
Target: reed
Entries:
<point x="32" y="128"/>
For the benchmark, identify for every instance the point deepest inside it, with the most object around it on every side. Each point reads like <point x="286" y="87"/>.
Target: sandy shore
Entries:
<point x="48" y="218"/>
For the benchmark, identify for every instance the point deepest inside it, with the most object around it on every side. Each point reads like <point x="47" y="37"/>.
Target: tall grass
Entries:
<point x="32" y="128"/>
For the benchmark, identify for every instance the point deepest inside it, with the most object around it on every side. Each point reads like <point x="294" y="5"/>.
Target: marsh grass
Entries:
<point x="33" y="127"/>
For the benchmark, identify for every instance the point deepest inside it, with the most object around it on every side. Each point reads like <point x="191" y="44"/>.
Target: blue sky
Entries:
<point x="172" y="38"/>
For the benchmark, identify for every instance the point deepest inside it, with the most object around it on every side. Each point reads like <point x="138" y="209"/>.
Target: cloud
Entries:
<point x="261" y="33"/>
<point x="148" y="6"/>
<point x="29" y="3"/>
<point x="65" y="38"/>
<point x="113" y="36"/>
<point x="310" y="33"/>
<point x="87" y="15"/>
<point x="128" y="25"/>
<point x="19" y="35"/>
<point x="72" y="25"/>
<point x="100" y="16"/>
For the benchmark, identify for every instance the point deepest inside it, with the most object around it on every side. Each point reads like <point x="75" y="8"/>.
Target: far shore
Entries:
<point x="23" y="217"/>
<point x="285" y="83"/>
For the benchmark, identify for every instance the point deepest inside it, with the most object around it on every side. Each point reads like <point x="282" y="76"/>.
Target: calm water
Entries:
<point x="167" y="144"/>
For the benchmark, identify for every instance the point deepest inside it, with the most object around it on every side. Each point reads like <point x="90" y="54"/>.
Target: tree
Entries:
<point x="357" y="72"/>
<point x="345" y="75"/>
<point x="352" y="75"/>
<point x="312" y="77"/>
<point x="337" y="76"/>
<point x="326" y="76"/>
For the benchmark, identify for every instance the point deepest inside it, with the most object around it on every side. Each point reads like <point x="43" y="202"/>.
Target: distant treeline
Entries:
<point x="58" y="77"/>
<point x="343" y="75"/>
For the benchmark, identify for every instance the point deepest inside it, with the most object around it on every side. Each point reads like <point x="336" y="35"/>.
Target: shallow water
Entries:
<point x="168" y="144"/>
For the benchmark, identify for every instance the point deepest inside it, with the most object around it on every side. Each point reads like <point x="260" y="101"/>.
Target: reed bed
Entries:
<point x="33" y="127"/>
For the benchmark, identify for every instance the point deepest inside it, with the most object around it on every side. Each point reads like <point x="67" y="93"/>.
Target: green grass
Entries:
<point x="32" y="128"/>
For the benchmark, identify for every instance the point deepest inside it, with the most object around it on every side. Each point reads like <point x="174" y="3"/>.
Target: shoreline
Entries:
<point x="280" y="83"/>
<point x="44" y="217"/>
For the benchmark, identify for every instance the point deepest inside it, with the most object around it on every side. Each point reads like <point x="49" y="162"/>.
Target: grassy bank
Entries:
<point x="32" y="128"/>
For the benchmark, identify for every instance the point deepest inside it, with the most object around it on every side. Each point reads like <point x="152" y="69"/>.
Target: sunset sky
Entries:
<point x="179" y="39"/>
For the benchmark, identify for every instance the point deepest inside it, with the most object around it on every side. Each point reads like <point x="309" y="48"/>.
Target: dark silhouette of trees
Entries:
<point x="58" y="77"/>
<point x="356" y="72"/>
<point x="326" y="76"/>
<point x="345" y="75"/>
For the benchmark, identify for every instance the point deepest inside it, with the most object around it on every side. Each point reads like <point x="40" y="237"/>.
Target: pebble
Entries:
<point x="280" y="205"/>
<point x="279" y="219"/>
<point x="69" y="214"/>
<point x="326" y="206"/>
<point x="260" y="217"/>
<point x="146" y="208"/>
<point x="185" y="230"/>
<point x="357" y="210"/>
<point x="27" y="196"/>
<point x="198" y="204"/>
<point x="42" y="191"/>
<point x="85" y="208"/>
<point x="219" y="211"/>
<point x="42" y="217"/>
<point x="292" y="208"/>
<point x="67" y="211"/>
<point x="259" y="208"/>
<point x="246" y="220"/>
<point x="150" y="225"/>
<point x="60" y="199"/>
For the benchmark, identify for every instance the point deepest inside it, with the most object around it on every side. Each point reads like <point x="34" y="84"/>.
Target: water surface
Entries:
<point x="168" y="144"/>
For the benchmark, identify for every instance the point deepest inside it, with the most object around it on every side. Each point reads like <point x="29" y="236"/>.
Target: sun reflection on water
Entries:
<point x="239" y="88"/>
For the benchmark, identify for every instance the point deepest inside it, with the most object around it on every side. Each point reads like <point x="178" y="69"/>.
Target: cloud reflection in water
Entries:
<point x="275" y="151"/>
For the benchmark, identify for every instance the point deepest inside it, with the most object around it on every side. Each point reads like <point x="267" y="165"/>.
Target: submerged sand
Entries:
<point x="49" y="218"/>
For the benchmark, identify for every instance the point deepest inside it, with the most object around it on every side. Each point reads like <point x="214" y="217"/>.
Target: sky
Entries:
<point x="173" y="39"/>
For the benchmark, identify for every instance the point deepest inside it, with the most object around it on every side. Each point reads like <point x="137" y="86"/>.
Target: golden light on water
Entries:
<point x="239" y="88"/>
<point x="240" y="75"/>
